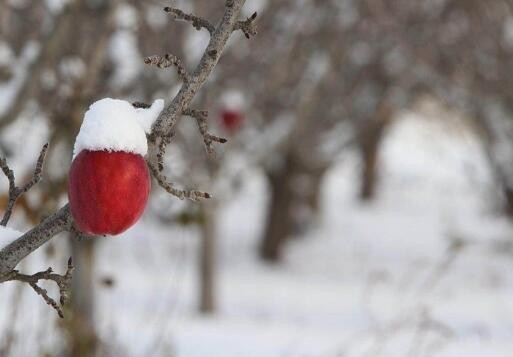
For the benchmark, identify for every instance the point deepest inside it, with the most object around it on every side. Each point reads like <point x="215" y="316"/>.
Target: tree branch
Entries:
<point x="169" y="187"/>
<point x="201" y="117"/>
<point x="13" y="253"/>
<point x="248" y="26"/>
<point x="197" y="22"/>
<point x="163" y="128"/>
<point x="169" y="116"/>
<point x="62" y="281"/>
<point x="167" y="61"/>
<point x="14" y="191"/>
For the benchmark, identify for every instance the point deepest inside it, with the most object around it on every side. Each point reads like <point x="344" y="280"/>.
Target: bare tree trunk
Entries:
<point x="82" y="335"/>
<point x="207" y="257"/>
<point x="508" y="197"/>
<point x="295" y="201"/>
<point x="370" y="138"/>
<point x="369" y="153"/>
<point x="279" y="219"/>
<point x="306" y="197"/>
<point x="313" y="194"/>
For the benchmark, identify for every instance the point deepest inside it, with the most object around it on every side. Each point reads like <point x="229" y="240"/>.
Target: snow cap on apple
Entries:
<point x="116" y="125"/>
<point x="109" y="182"/>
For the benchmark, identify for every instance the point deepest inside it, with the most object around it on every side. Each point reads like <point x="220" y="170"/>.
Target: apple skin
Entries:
<point x="232" y="120"/>
<point x="107" y="191"/>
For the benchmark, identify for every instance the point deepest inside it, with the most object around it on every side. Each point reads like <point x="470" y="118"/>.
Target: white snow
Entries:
<point x="233" y="100"/>
<point x="361" y="283"/>
<point x="375" y="279"/>
<point x="7" y="236"/>
<point x="115" y="125"/>
<point x="9" y="90"/>
<point x="124" y="52"/>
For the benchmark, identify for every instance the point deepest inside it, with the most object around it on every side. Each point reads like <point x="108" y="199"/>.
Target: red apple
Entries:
<point x="107" y="191"/>
<point x="232" y="120"/>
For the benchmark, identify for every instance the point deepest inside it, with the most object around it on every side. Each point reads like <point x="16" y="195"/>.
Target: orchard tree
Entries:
<point x="160" y="134"/>
<point x="336" y="75"/>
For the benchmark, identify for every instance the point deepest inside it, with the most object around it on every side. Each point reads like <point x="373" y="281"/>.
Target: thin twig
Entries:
<point x="201" y="118"/>
<point x="181" y="194"/>
<point x="14" y="191"/>
<point x="248" y="26"/>
<point x="197" y="22"/>
<point x="167" y="61"/>
<point x="162" y="150"/>
<point x="62" y="281"/>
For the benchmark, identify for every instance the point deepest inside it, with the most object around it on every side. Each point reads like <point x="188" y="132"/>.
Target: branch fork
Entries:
<point x="14" y="191"/>
<point x="248" y="26"/>
<point x="201" y="117"/>
<point x="169" y="187"/>
<point x="63" y="282"/>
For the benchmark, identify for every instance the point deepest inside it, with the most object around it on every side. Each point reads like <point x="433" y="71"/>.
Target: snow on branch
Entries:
<point x="167" y="61"/>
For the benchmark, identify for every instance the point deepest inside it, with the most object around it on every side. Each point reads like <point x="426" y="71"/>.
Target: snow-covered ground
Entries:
<point x="422" y="271"/>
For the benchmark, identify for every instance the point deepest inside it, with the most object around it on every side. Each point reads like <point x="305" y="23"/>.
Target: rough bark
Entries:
<point x="279" y="219"/>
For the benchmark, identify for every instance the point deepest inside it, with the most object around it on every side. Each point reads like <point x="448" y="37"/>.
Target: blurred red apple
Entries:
<point x="107" y="191"/>
<point x="232" y="120"/>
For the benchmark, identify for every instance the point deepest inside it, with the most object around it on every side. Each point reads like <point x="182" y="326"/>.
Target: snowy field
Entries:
<point x="422" y="271"/>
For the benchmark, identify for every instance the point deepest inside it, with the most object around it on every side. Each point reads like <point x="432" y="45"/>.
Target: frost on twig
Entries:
<point x="201" y="118"/>
<point x="14" y="191"/>
<point x="248" y="26"/>
<point x="167" y="61"/>
<point x="197" y="22"/>
<point x="62" y="281"/>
